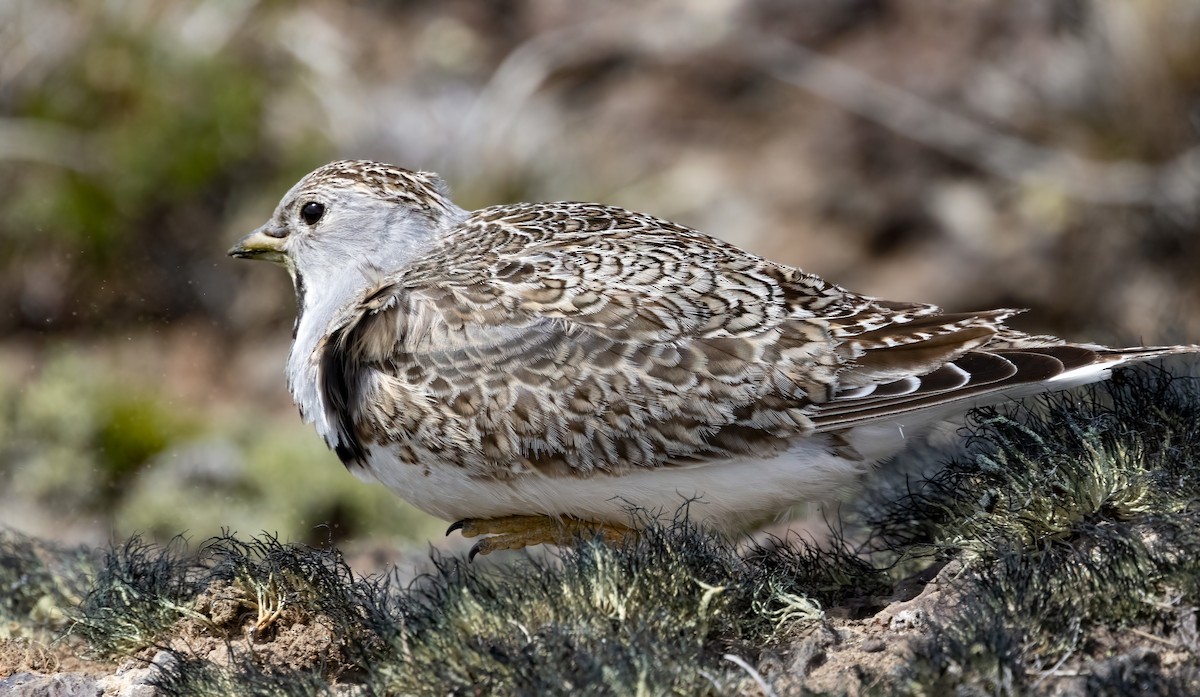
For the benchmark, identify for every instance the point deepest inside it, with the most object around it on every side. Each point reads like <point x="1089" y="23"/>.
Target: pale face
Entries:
<point x="313" y="226"/>
<point x="352" y="214"/>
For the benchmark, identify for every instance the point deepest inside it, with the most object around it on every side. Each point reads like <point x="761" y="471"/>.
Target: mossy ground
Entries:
<point x="1059" y="553"/>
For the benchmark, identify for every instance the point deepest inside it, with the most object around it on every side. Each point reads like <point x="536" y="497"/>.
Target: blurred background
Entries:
<point x="973" y="153"/>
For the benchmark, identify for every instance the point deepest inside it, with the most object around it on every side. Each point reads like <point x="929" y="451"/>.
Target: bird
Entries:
<point x="532" y="371"/>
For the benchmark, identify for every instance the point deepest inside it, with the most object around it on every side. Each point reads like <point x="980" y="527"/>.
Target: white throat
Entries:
<point x="319" y="302"/>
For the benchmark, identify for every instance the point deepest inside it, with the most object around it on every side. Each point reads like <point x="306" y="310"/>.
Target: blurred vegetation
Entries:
<point x="963" y="154"/>
<point x="78" y="437"/>
<point x="132" y="148"/>
<point x="81" y="443"/>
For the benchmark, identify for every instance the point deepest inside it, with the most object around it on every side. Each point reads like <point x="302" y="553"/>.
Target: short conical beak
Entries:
<point x="265" y="243"/>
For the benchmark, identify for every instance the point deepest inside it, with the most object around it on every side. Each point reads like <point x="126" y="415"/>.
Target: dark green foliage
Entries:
<point x="1141" y="673"/>
<point x="1034" y="475"/>
<point x="597" y="620"/>
<point x="137" y="593"/>
<point x="318" y="579"/>
<point x="656" y="614"/>
<point x="659" y="613"/>
<point x="830" y="574"/>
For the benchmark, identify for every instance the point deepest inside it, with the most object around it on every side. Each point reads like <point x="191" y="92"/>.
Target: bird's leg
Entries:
<point x="519" y="531"/>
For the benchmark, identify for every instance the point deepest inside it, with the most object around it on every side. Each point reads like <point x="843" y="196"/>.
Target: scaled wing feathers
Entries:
<point x="580" y="338"/>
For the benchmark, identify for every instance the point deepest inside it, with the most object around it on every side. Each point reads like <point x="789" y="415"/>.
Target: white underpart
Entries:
<point x="730" y="494"/>
<point x="303" y="369"/>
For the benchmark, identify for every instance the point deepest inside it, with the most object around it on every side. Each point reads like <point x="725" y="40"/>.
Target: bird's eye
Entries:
<point x="312" y="212"/>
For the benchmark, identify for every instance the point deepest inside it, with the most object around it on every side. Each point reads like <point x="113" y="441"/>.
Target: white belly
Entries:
<point x="729" y="495"/>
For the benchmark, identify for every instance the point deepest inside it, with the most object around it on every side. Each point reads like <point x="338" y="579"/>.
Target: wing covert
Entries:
<point x="577" y="337"/>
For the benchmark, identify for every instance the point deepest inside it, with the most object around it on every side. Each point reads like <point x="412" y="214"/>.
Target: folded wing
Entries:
<point x="580" y="338"/>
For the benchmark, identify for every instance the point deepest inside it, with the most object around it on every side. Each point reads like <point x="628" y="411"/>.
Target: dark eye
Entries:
<point x="312" y="212"/>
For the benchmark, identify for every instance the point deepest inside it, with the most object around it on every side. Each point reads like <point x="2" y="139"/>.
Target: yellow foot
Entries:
<point x="520" y="531"/>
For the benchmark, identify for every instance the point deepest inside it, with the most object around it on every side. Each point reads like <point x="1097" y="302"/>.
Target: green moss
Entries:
<point x="656" y="616"/>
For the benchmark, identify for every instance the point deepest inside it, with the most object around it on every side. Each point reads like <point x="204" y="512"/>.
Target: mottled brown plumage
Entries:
<point x="467" y="359"/>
